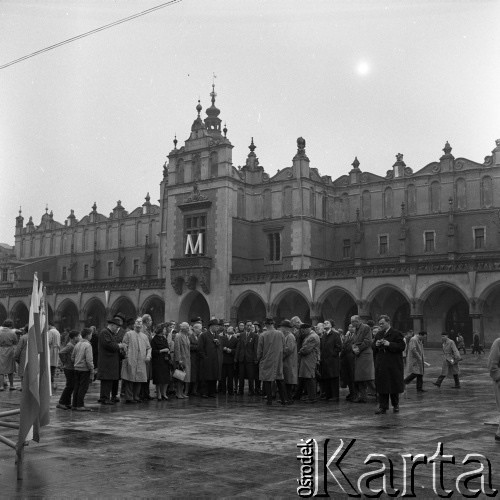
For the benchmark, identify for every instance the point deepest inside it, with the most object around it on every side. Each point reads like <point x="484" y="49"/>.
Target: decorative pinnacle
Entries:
<point x="252" y="146"/>
<point x="447" y="148"/>
<point x="399" y="157"/>
<point x="46" y="207"/>
<point x="175" y="140"/>
<point x="213" y="93"/>
<point x="19" y="209"/>
<point x="94" y="207"/>
<point x="148" y="197"/>
<point x="355" y="163"/>
<point x="225" y="130"/>
<point x="199" y="108"/>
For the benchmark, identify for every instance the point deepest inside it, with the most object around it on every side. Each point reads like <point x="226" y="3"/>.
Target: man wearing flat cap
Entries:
<point x="109" y="359"/>
<point x="270" y="355"/>
<point x="290" y="362"/>
<point x="210" y="353"/>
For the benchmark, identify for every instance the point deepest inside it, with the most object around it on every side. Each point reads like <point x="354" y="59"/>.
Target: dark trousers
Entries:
<point x="82" y="381"/>
<point x="420" y="380"/>
<point x="383" y="400"/>
<point x="361" y="389"/>
<point x="268" y="390"/>
<point x="236" y="376"/>
<point x="247" y="371"/>
<point x="52" y="373"/>
<point x="132" y="390"/>
<point x="290" y="389"/>
<point x="114" y="388"/>
<point x="106" y="389"/>
<point x="67" y="392"/>
<point x="330" y="387"/>
<point x="227" y="376"/>
<point x="309" y="384"/>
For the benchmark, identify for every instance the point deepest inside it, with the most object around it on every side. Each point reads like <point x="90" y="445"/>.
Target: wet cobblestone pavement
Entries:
<point x="237" y="446"/>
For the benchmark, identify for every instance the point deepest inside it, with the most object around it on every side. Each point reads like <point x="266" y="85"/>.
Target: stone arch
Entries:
<point x="446" y="308"/>
<point x="391" y="300"/>
<point x="489" y="308"/>
<point x="20" y="314"/>
<point x="193" y="305"/>
<point x="94" y="313"/>
<point x="289" y="303"/>
<point x="338" y="304"/>
<point x="124" y="306"/>
<point x="155" y="307"/>
<point x="67" y="315"/>
<point x="3" y="314"/>
<point x="250" y="306"/>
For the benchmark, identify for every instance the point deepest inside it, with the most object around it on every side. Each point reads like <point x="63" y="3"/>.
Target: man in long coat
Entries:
<point x="134" y="369"/>
<point x="330" y="347"/>
<point x="451" y="357"/>
<point x="389" y="368"/>
<point x="415" y="361"/>
<point x="210" y="353"/>
<point x="109" y="359"/>
<point x="309" y="357"/>
<point x="494" y="368"/>
<point x="246" y="356"/>
<point x="229" y="345"/>
<point x="364" y="370"/>
<point x="270" y="355"/>
<point x="347" y="363"/>
<point x="290" y="361"/>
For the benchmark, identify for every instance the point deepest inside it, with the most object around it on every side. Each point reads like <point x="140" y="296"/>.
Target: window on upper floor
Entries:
<point x="85" y="270"/>
<point x="383" y="244"/>
<point x="110" y="269"/>
<point x="479" y="237"/>
<point x="195" y="227"/>
<point x="5" y="274"/>
<point x="274" y="246"/>
<point x="486" y="192"/>
<point x="214" y="164"/>
<point x="388" y="202"/>
<point x="135" y="269"/>
<point x="64" y="273"/>
<point x="266" y="205"/>
<point x="411" y="199"/>
<point x="435" y="197"/>
<point x="346" y="249"/>
<point x="461" y="194"/>
<point x="429" y="241"/>
<point x="287" y="201"/>
<point x="180" y="172"/>
<point x="366" y="205"/>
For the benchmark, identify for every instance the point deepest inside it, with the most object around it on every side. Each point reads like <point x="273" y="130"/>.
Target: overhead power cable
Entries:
<point x="88" y="33"/>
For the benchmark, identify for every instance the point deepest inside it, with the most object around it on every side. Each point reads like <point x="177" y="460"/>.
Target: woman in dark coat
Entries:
<point x="330" y="347"/>
<point x="161" y="362"/>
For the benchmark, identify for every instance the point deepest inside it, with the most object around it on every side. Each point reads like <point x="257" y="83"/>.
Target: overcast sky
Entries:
<point x="94" y="120"/>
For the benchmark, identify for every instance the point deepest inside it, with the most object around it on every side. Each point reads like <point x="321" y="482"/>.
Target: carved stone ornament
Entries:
<point x="458" y="165"/>
<point x="191" y="280"/>
<point x="390" y="174"/>
<point x="408" y="171"/>
<point x="177" y="285"/>
<point x="365" y="178"/>
<point x="265" y="177"/>
<point x="436" y="167"/>
<point x="488" y="160"/>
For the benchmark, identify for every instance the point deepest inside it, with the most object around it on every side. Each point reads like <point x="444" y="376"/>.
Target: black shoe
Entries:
<point x="107" y="402"/>
<point x="381" y="411"/>
<point x="436" y="384"/>
<point x="395" y="409"/>
<point x="456" y="387"/>
<point x="269" y="403"/>
<point x="131" y="402"/>
<point x="204" y="396"/>
<point x="421" y="390"/>
<point x="115" y="399"/>
<point x="497" y="438"/>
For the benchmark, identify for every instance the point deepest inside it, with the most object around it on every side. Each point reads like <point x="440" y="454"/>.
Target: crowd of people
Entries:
<point x="289" y="361"/>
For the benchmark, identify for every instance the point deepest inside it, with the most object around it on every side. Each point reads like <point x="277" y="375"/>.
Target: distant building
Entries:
<point x="236" y="243"/>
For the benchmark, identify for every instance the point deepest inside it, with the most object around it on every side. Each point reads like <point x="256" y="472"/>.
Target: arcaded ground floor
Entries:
<point x="239" y="447"/>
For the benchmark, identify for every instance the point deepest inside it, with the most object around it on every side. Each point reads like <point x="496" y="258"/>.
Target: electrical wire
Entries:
<point x="88" y="33"/>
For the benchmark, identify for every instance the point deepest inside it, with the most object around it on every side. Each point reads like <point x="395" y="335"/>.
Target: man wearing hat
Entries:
<point x="451" y="357"/>
<point x="229" y="344"/>
<point x="415" y="360"/>
<point x="246" y="356"/>
<point x="290" y="362"/>
<point x="109" y="359"/>
<point x="309" y="357"/>
<point x="270" y="355"/>
<point x="210" y="353"/>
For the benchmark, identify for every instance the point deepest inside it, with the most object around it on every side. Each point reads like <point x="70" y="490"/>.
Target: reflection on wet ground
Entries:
<point x="237" y="446"/>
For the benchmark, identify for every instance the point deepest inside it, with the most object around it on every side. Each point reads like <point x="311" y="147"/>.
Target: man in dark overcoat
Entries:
<point x="109" y="359"/>
<point x="330" y="347"/>
<point x="210" y="353"/>
<point x="246" y="356"/>
<point x="389" y="367"/>
<point x="229" y="344"/>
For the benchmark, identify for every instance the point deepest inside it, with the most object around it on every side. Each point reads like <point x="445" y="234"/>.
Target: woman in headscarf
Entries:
<point x="161" y="362"/>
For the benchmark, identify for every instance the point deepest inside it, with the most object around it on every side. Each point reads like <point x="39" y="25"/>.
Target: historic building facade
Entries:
<point x="235" y="242"/>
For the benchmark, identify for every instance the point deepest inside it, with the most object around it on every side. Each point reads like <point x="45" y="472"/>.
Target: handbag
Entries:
<point x="179" y="375"/>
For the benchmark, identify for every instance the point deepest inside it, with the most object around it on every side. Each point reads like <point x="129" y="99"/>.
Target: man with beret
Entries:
<point x="109" y="359"/>
<point x="290" y="362"/>
<point x="246" y="356"/>
<point x="210" y="353"/>
<point x="270" y="349"/>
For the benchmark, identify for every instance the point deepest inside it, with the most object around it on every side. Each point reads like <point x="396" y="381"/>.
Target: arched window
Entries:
<point x="267" y="208"/>
<point x="388" y="202"/>
<point x="366" y="205"/>
<point x="240" y="202"/>
<point x="214" y="164"/>
<point x="411" y="199"/>
<point x="180" y="172"/>
<point x="461" y="194"/>
<point x="486" y="192"/>
<point x="346" y="208"/>
<point x="196" y="168"/>
<point x="287" y="201"/>
<point x="435" y="197"/>
<point x="137" y="232"/>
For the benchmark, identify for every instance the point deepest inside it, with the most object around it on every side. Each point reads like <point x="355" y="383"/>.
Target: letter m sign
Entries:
<point x="194" y="248"/>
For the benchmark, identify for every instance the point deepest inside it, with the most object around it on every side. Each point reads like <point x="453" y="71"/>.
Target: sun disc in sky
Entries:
<point x="363" y="68"/>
